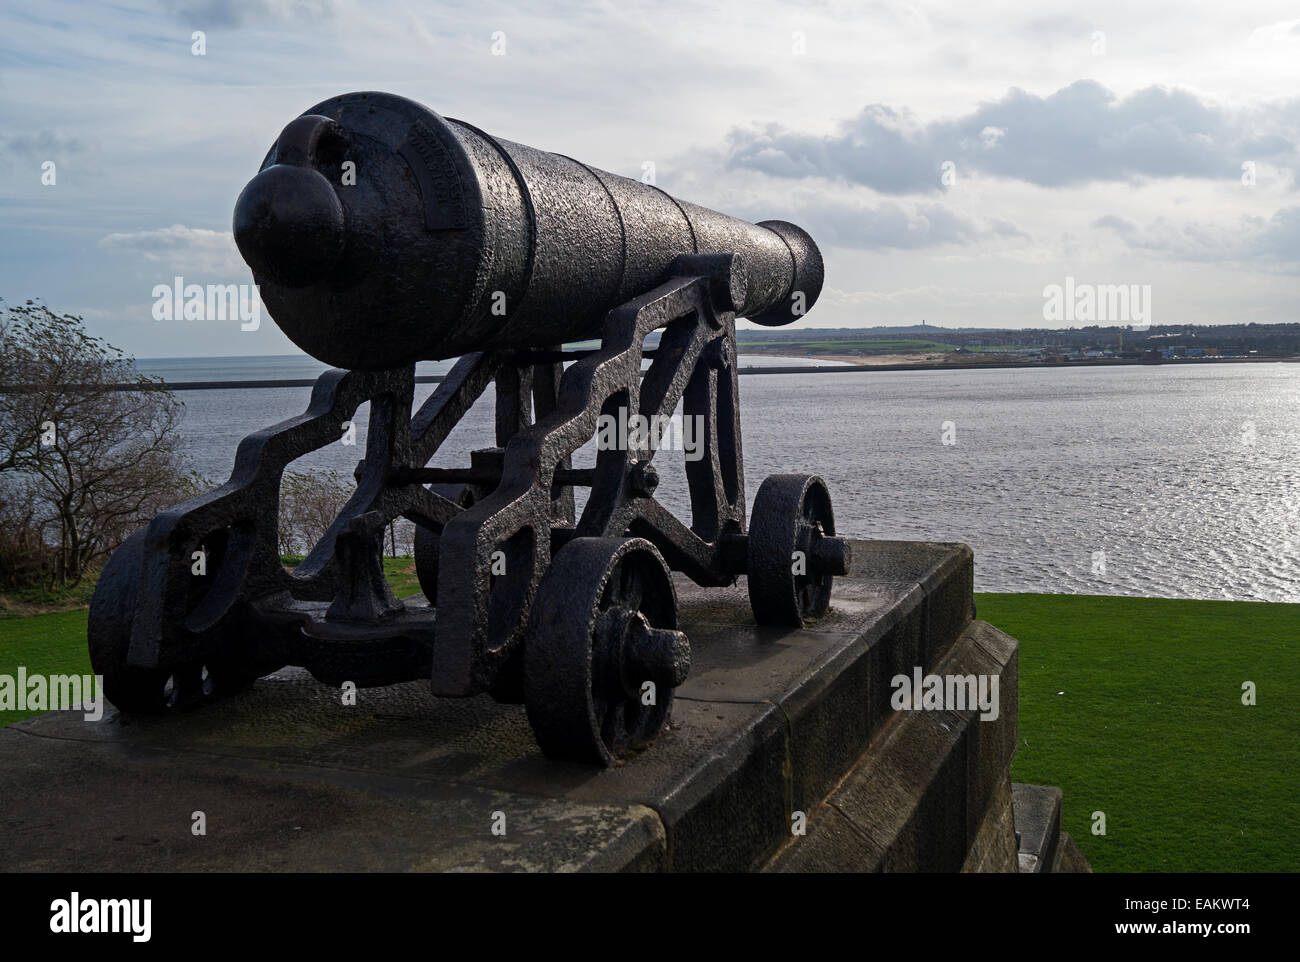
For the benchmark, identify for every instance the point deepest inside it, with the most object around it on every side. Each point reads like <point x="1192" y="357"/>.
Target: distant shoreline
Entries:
<point x="865" y="364"/>
<point x="843" y="366"/>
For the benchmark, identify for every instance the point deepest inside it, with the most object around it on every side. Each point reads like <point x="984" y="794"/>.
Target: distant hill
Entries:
<point x="1268" y="340"/>
<point x="856" y="333"/>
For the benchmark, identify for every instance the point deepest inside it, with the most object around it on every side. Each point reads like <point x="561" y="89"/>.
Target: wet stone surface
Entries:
<point x="289" y="778"/>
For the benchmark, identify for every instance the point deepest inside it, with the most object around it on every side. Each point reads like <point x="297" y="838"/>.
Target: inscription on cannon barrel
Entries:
<point x="439" y="183"/>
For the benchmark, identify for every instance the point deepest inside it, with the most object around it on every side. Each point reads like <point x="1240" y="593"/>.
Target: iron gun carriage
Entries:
<point x="381" y="234"/>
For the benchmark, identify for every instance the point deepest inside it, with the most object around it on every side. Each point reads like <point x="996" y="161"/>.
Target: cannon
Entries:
<point x="381" y="234"/>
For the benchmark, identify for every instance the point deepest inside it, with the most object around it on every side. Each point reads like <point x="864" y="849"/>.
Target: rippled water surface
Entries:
<point x="1164" y="481"/>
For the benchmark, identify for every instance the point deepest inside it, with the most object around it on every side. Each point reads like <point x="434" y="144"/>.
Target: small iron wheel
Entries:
<point x="789" y="583"/>
<point x="602" y="653"/>
<point x="150" y="690"/>
<point x="427" y="541"/>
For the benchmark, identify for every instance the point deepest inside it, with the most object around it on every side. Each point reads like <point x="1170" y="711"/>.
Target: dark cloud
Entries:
<point x="890" y="225"/>
<point x="1280" y="238"/>
<point x="42" y="145"/>
<point x="1117" y="224"/>
<point x="887" y="225"/>
<point x="1079" y="134"/>
<point x="206" y="14"/>
<point x="1273" y="239"/>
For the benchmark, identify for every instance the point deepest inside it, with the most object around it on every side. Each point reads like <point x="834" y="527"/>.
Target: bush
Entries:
<point x="83" y="462"/>
<point x="25" y="560"/>
<point x="309" y="503"/>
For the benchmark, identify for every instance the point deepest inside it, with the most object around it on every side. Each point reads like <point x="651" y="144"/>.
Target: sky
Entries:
<point x="951" y="160"/>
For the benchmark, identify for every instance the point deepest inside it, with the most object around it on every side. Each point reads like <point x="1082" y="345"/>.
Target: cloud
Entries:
<point x="1273" y="239"/>
<point x="204" y="14"/>
<point x="1280" y="238"/>
<point x="899" y="226"/>
<point x="182" y="248"/>
<point x="1080" y="134"/>
<point x="876" y="149"/>
<point x="1282" y="32"/>
<point x="42" y="145"/>
<point x="1118" y="224"/>
<point x="838" y="218"/>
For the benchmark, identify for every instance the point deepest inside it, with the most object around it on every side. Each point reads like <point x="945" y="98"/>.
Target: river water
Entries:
<point x="1158" y="481"/>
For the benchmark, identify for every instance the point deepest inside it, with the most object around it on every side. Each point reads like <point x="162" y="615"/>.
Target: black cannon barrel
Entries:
<point x="381" y="233"/>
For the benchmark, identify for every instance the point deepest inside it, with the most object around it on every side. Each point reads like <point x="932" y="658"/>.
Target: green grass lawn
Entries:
<point x="1133" y="706"/>
<point x="53" y="644"/>
<point x="31" y="601"/>
<point x="400" y="573"/>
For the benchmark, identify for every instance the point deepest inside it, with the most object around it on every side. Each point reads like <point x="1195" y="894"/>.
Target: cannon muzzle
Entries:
<point x="381" y="233"/>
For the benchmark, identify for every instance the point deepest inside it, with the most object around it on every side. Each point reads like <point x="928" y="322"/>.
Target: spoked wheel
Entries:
<point x="793" y="554"/>
<point x="149" y="690"/>
<point x="602" y="654"/>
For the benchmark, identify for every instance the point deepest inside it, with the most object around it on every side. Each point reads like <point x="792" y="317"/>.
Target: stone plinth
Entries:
<point x="770" y="723"/>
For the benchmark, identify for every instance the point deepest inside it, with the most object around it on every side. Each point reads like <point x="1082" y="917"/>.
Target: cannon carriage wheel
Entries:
<point x="151" y="690"/>
<point x="602" y="654"/>
<point x="427" y="540"/>
<point x="793" y="555"/>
